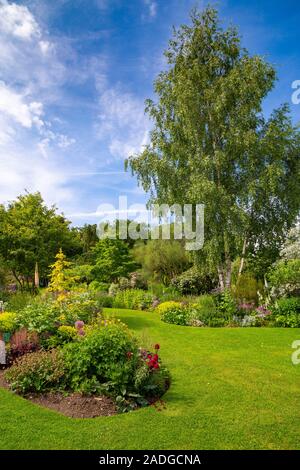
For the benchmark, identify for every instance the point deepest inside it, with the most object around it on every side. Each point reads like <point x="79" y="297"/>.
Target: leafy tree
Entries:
<point x="211" y="144"/>
<point x="162" y="260"/>
<point x="31" y="233"/>
<point x="112" y="260"/>
<point x="88" y="236"/>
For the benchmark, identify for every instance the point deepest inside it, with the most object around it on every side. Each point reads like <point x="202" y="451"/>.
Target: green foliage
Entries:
<point x="8" y="323"/>
<point x="136" y="299"/>
<point x="112" y="260"/>
<point x="64" y="334"/>
<point x="31" y="233"/>
<point x="286" y="312"/>
<point x="36" y="372"/>
<point x="284" y="277"/>
<point x="18" y="301"/>
<point x="39" y="317"/>
<point x="173" y="312"/>
<point x="77" y="306"/>
<point x="247" y="288"/>
<point x="100" y="360"/>
<point x="226" y="305"/>
<point x="82" y="273"/>
<point x="161" y="260"/>
<point x="97" y="286"/>
<point x="205" y="313"/>
<point x="193" y="282"/>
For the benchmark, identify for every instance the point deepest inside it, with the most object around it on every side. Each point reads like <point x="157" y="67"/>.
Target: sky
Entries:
<point x="74" y="76"/>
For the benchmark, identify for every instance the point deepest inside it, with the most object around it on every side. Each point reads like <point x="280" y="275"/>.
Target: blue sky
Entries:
<point x="74" y="75"/>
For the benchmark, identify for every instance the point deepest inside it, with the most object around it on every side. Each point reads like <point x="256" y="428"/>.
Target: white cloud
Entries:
<point x="29" y="59"/>
<point x="46" y="47"/>
<point x="18" y="21"/>
<point x="122" y="122"/>
<point x="15" y="106"/>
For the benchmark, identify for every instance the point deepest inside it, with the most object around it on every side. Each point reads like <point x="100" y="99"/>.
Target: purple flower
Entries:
<point x="246" y="306"/>
<point x="263" y="311"/>
<point x="79" y="324"/>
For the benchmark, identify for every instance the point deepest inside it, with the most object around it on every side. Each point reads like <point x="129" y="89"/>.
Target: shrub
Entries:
<point x="40" y="317"/>
<point x="96" y="286"/>
<point x="8" y="322"/>
<point x="65" y="334"/>
<point x="36" y="372"/>
<point x="204" y="312"/>
<point x="246" y="288"/>
<point x="193" y="282"/>
<point x="18" y="301"/>
<point x="284" y="277"/>
<point x="173" y="312"/>
<point x="77" y="306"/>
<point x="133" y="299"/>
<point x="226" y="305"/>
<point x="104" y="300"/>
<point x="100" y="361"/>
<point x="286" y="312"/>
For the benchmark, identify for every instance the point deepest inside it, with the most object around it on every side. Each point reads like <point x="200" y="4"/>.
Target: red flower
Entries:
<point x="129" y="354"/>
<point x="156" y="365"/>
<point x="155" y="357"/>
<point x="157" y="347"/>
<point x="149" y="356"/>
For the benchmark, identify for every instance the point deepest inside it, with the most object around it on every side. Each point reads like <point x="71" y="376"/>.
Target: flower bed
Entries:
<point x="97" y="358"/>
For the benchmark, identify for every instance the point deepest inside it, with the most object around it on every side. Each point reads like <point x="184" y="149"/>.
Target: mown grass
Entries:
<point x="231" y="389"/>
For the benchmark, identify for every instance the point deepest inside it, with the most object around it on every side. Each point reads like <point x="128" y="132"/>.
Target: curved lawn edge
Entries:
<point x="231" y="389"/>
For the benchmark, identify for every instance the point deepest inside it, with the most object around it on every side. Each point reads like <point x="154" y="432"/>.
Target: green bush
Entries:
<point x="64" y="334"/>
<point x="286" y="312"/>
<point x="36" y="372"/>
<point x="104" y="300"/>
<point x="8" y="323"/>
<point x="136" y="299"/>
<point x="204" y="312"/>
<point x="99" y="361"/>
<point x="77" y="306"/>
<point x="284" y="277"/>
<point x="39" y="317"/>
<point x="173" y="312"/>
<point x="193" y="282"/>
<point x="247" y="288"/>
<point x="226" y="305"/>
<point x="96" y="286"/>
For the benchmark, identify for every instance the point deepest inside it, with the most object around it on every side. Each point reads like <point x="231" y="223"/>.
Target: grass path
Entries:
<point x="231" y="389"/>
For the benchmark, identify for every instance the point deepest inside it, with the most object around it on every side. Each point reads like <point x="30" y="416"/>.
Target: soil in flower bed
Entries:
<point x="73" y="405"/>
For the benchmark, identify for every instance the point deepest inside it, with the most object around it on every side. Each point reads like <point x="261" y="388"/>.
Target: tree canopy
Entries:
<point x="31" y="233"/>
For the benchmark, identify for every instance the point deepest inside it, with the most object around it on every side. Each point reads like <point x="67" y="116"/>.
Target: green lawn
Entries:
<point x="231" y="389"/>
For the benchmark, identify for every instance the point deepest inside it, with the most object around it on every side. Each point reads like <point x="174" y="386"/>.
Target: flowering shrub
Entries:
<point x="76" y="306"/>
<point x="173" y="312"/>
